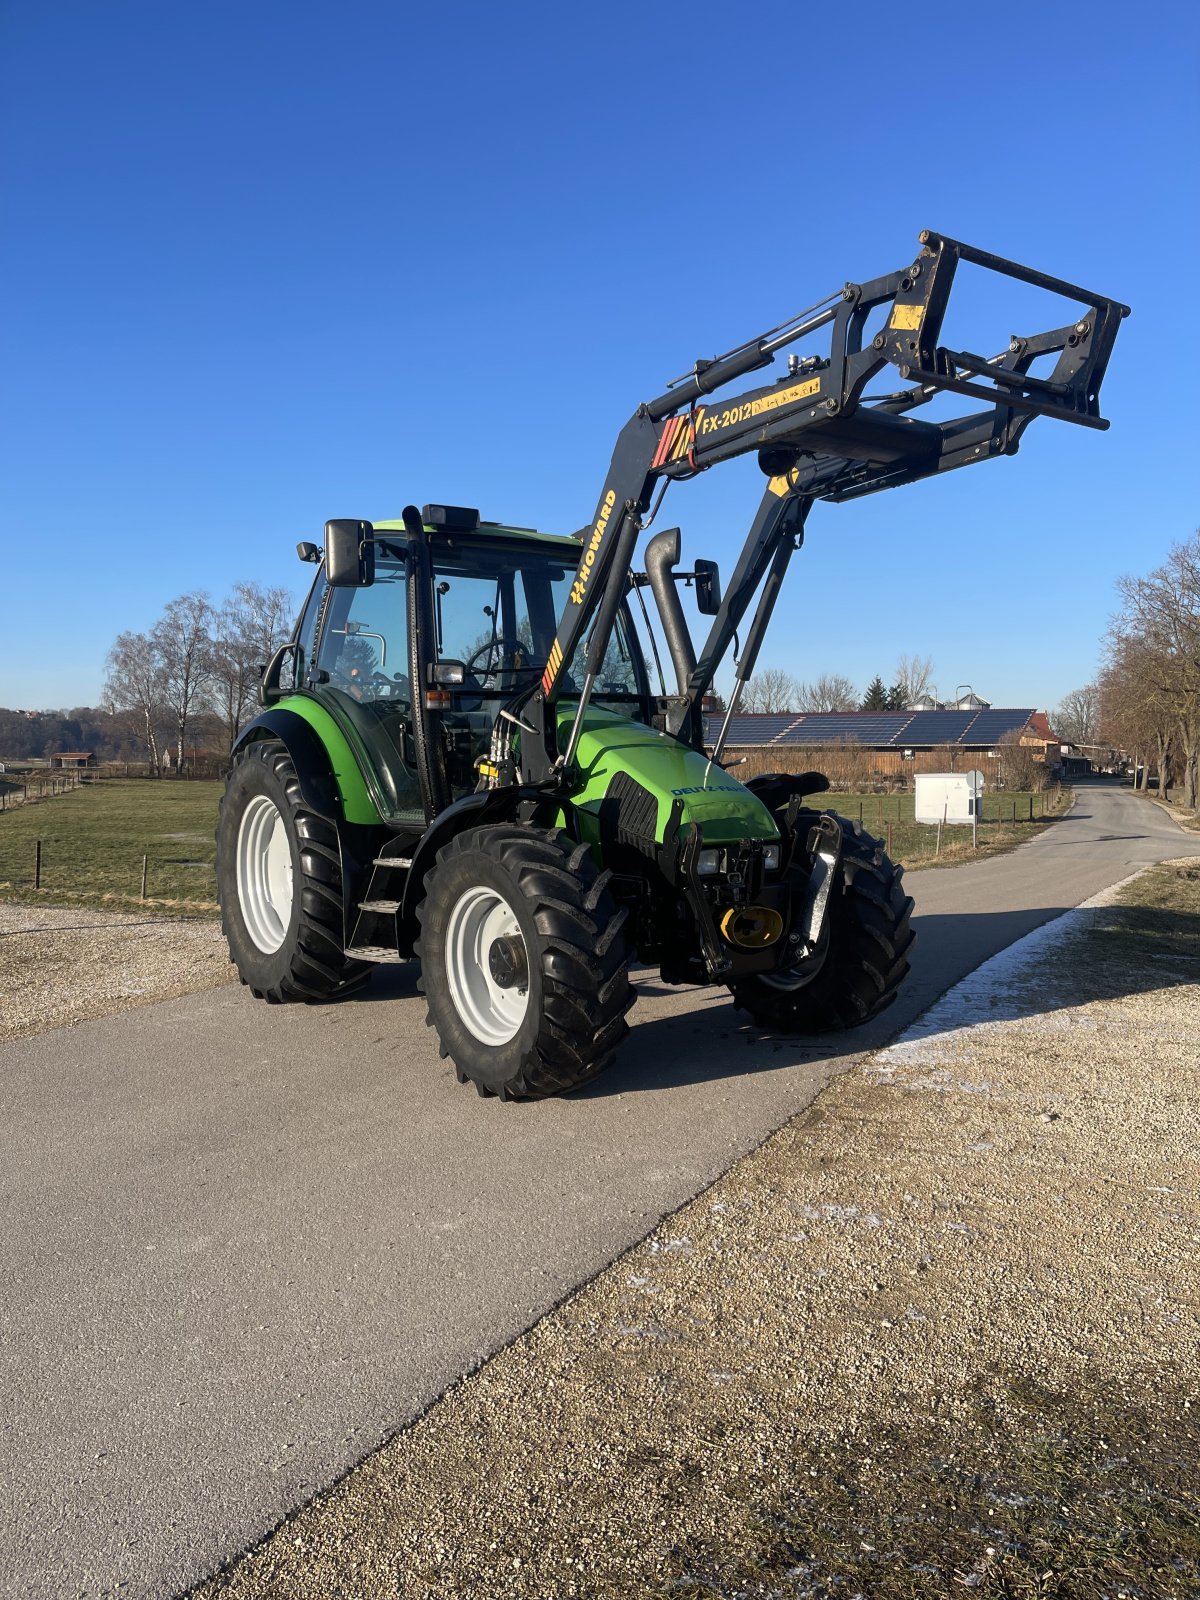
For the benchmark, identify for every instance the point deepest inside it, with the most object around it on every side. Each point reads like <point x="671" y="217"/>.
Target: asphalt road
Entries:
<point x="241" y="1245"/>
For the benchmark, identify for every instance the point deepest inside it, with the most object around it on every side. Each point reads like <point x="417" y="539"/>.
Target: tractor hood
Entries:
<point x="611" y="744"/>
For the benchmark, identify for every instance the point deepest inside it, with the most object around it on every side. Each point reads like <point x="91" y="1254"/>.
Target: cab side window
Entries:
<point x="363" y="662"/>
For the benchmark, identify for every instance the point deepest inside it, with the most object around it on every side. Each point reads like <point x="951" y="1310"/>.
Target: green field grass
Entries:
<point x="1007" y="820"/>
<point x="94" y="838"/>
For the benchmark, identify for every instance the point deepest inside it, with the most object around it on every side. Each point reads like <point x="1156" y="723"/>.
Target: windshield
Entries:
<point x="497" y="613"/>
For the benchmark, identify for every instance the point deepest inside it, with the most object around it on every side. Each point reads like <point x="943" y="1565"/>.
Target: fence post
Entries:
<point x="889" y="837"/>
<point x="37" y="863"/>
<point x="1031" y="808"/>
<point x="145" y="860"/>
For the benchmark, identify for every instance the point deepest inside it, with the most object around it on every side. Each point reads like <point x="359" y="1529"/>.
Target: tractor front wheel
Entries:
<point x="868" y="937"/>
<point x="279" y="882"/>
<point x="523" y="961"/>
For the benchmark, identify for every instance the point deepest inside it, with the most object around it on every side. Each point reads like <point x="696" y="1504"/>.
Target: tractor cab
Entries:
<point x="464" y="610"/>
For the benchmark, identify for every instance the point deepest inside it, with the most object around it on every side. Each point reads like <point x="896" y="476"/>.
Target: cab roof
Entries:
<point x="486" y="530"/>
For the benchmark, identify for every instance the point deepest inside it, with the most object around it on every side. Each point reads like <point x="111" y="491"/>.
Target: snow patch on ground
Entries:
<point x="1004" y="989"/>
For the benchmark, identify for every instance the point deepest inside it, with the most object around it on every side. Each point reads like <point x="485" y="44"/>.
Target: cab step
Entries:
<point x="374" y="952"/>
<point x="379" y="905"/>
<point x="393" y="861"/>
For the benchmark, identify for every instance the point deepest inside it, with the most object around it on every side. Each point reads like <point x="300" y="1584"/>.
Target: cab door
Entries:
<point x="361" y="673"/>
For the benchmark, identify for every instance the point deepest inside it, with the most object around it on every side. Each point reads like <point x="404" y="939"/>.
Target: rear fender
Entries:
<point x="309" y="757"/>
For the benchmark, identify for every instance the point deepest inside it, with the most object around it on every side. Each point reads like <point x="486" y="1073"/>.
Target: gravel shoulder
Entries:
<point x="59" y="966"/>
<point x="941" y="1331"/>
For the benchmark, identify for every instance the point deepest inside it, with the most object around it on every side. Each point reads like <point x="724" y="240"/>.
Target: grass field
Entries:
<point x="1008" y="820"/>
<point x="93" y="839"/>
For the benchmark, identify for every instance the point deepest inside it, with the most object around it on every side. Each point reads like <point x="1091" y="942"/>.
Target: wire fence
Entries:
<point x="147" y="879"/>
<point x="150" y="845"/>
<point x="27" y="789"/>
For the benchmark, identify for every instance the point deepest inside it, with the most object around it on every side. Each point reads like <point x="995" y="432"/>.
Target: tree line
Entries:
<point x="196" y="671"/>
<point x="774" y="690"/>
<point x="1146" y="698"/>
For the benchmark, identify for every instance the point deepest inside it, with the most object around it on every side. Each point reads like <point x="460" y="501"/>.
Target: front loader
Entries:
<point x="466" y="756"/>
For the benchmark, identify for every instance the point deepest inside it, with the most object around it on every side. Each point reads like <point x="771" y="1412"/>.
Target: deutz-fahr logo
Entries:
<point x="579" y="587"/>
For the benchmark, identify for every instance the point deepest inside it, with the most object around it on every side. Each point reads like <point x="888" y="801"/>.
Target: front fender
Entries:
<point x="483" y="809"/>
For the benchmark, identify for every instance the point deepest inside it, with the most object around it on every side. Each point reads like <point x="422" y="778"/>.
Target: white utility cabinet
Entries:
<point x="949" y="796"/>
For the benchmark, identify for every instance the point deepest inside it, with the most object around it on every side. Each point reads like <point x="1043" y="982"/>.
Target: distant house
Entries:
<point x="72" y="758"/>
<point x="1055" y="751"/>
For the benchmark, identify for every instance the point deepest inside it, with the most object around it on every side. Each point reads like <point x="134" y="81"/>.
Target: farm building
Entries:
<point x="888" y="745"/>
<point x="72" y="758"/>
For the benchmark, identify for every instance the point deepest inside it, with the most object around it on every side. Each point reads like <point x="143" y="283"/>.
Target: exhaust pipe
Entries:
<point x="662" y="556"/>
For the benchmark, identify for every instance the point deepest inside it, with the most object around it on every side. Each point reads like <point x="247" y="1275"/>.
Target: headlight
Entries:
<point x="708" y="862"/>
<point x="770" y="857"/>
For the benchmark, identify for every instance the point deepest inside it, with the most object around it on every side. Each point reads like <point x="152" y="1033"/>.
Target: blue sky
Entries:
<point x="267" y="263"/>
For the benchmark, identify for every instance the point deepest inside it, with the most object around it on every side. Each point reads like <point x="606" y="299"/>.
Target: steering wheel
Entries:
<point x="496" y="652"/>
<point x="397" y="688"/>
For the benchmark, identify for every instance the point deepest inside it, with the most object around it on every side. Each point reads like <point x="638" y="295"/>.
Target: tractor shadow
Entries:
<point x="1150" y="950"/>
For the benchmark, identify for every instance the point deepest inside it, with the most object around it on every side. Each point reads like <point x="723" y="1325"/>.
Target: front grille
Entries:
<point x="629" y="813"/>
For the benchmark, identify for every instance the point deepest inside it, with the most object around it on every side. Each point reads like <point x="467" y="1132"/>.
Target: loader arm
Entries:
<point x="819" y="437"/>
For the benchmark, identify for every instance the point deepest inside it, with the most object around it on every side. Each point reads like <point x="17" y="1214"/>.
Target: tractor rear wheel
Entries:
<point x="523" y="961"/>
<point x="279" y="882"/>
<point x="868" y="938"/>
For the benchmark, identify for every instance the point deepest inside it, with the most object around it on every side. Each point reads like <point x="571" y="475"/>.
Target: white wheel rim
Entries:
<point x="264" y="874"/>
<point x="492" y="1013"/>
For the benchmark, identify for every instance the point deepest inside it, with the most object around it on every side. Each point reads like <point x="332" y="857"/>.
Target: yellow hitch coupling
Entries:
<point x="751" y="927"/>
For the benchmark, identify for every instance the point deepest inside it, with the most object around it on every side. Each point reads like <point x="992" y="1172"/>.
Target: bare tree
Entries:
<point x="914" y="677"/>
<point x="1160" y="629"/>
<point x="1077" y="717"/>
<point x="247" y="631"/>
<point x="1019" y="765"/>
<point x="134" y="686"/>
<point x="1138" y="714"/>
<point x="830" y="692"/>
<point x="772" y="689"/>
<point x="182" y="641"/>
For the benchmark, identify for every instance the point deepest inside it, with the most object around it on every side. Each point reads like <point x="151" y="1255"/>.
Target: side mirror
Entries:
<point x="708" y="588"/>
<point x="349" y="554"/>
<point x="271" y="687"/>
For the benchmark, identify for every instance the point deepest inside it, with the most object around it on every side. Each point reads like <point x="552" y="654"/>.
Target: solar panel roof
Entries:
<point x="896" y="729"/>
<point x="749" y="727"/>
<point x="937" y="727"/>
<point x="989" y="726"/>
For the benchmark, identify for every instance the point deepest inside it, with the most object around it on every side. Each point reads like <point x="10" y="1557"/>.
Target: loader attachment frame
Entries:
<point x="819" y="436"/>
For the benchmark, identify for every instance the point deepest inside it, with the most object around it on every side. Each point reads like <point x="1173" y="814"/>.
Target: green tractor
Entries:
<point x="468" y="754"/>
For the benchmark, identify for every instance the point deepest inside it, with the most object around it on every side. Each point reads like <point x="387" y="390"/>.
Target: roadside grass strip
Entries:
<point x="940" y="1334"/>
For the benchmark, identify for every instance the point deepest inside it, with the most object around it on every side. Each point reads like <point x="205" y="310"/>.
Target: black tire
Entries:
<point x="866" y="956"/>
<point x="571" y="955"/>
<point x="310" y="963"/>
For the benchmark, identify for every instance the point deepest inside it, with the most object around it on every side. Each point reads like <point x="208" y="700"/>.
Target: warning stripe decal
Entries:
<point x="677" y="439"/>
<point x="553" y="663"/>
<point x="685" y="441"/>
<point x="670" y="429"/>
